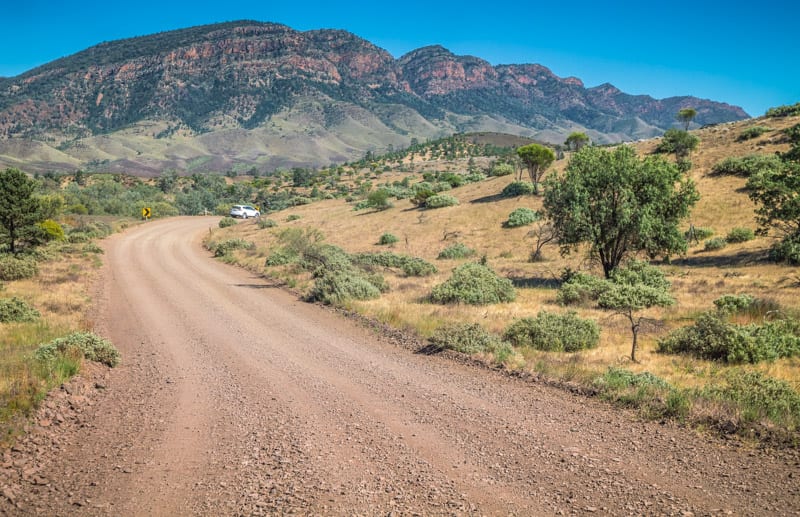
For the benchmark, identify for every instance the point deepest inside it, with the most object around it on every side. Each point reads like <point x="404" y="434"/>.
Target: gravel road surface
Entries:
<point x="236" y="398"/>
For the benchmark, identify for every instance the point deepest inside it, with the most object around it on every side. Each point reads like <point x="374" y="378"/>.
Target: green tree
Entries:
<point x="679" y="142"/>
<point x="19" y="209"/>
<point x="167" y="181"/>
<point x="618" y="204"/>
<point x="537" y="158"/>
<point x="686" y="115"/>
<point x="633" y="288"/>
<point x="379" y="200"/>
<point x="576" y="140"/>
<point x="776" y="191"/>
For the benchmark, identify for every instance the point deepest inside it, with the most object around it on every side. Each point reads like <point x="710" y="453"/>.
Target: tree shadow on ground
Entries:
<point x="740" y="258"/>
<point x="536" y="282"/>
<point x="429" y="349"/>
<point x="488" y="199"/>
<point x="257" y="286"/>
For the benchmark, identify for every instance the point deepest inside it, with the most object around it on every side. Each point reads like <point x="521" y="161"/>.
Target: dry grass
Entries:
<point x="697" y="278"/>
<point x="60" y="293"/>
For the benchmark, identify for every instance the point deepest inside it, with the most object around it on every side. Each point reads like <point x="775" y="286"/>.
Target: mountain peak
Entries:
<point x="327" y="84"/>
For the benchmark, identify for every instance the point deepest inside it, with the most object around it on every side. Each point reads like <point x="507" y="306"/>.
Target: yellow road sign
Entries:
<point x="146" y="213"/>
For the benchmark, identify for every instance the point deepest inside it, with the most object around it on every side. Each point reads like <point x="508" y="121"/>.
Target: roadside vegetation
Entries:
<point x="617" y="309"/>
<point x="47" y="260"/>
<point x="582" y="273"/>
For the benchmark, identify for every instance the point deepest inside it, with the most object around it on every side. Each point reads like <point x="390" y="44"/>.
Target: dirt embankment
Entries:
<point x="236" y="398"/>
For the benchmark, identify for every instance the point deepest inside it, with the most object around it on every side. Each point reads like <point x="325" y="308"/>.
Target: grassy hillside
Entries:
<point x="697" y="278"/>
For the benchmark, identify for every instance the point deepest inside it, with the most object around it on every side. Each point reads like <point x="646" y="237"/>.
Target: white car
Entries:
<point x="244" y="211"/>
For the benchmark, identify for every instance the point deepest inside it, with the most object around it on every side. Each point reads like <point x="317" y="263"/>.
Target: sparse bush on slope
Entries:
<point x="474" y="284"/>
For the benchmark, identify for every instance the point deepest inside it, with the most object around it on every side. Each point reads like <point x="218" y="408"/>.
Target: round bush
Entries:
<point x="91" y="346"/>
<point x="468" y="338"/>
<point x="740" y="235"/>
<point x="717" y="243"/>
<point x="517" y="188"/>
<point x="456" y="251"/>
<point x="746" y="166"/>
<point x="52" y="230"/>
<point x="17" y="268"/>
<point x="440" y="201"/>
<point x="225" y="222"/>
<point x="16" y="310"/>
<point x="502" y="169"/>
<point x="336" y="287"/>
<point x="521" y="217"/>
<point x="225" y="247"/>
<point x="713" y="337"/>
<point x="554" y="332"/>
<point x="387" y="238"/>
<point x="580" y="289"/>
<point x="474" y="284"/>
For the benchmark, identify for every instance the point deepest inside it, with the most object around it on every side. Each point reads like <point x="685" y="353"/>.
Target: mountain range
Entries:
<point x="246" y="94"/>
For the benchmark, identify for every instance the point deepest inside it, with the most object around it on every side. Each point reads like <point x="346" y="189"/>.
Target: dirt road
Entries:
<point x="235" y="398"/>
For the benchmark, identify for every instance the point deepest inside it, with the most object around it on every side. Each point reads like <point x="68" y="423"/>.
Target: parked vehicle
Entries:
<point x="244" y="211"/>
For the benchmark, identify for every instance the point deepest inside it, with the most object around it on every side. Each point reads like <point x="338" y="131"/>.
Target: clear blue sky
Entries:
<point x="742" y="53"/>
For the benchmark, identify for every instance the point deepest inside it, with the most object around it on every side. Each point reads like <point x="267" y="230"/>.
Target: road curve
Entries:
<point x="235" y="398"/>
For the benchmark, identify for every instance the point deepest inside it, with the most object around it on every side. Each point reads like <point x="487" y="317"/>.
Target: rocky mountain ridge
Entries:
<point x="244" y="94"/>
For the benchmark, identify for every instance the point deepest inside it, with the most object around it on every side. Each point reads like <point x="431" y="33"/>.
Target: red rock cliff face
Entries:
<point x="247" y="71"/>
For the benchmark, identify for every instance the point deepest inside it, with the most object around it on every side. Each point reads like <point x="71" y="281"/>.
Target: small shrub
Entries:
<point x="225" y="222"/>
<point x="17" y="268"/>
<point x="78" y="237"/>
<point x="266" y="223"/>
<point x="740" y="235"/>
<point x="757" y="397"/>
<point x="225" y="247"/>
<point x="620" y="378"/>
<point x="293" y="217"/>
<point x="454" y="180"/>
<point x="91" y="346"/>
<point x="501" y="169"/>
<point x="554" y="332"/>
<point x="440" y="201"/>
<point x="474" y="177"/>
<point x="784" y="111"/>
<point x="756" y="309"/>
<point x="787" y="250"/>
<point x="714" y="338"/>
<point x="281" y="257"/>
<point x="91" y="247"/>
<point x="518" y="188"/>
<point x="456" y="251"/>
<point x="468" y="338"/>
<point x="746" y="166"/>
<point x="717" y="243"/>
<point x="522" y="217"/>
<point x="411" y="266"/>
<point x="387" y="238"/>
<point x="52" y="230"/>
<point x="733" y="303"/>
<point x="752" y="132"/>
<point x="337" y="287"/>
<point x="474" y="284"/>
<point x="16" y="310"/>
<point x="651" y="394"/>
<point x="580" y="289"/>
